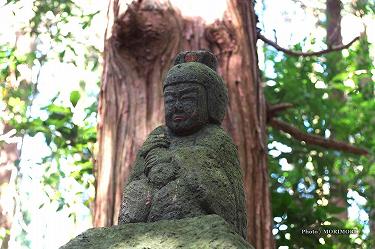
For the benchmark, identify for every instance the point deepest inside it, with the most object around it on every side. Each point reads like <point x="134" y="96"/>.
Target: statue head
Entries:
<point x="194" y="94"/>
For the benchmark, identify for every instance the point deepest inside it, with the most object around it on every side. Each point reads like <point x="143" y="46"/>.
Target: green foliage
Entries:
<point x="333" y="96"/>
<point x="69" y="142"/>
<point x="69" y="127"/>
<point x="363" y="7"/>
<point x="332" y="103"/>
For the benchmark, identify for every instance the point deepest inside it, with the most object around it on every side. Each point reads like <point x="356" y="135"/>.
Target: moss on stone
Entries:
<point x="209" y="231"/>
<point x="202" y="178"/>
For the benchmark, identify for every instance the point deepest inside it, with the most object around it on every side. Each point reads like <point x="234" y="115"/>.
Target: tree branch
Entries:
<point x="316" y="140"/>
<point x="297" y="53"/>
<point x="273" y="110"/>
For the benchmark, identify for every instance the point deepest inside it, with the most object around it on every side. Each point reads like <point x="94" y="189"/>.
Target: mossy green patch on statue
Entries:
<point x="201" y="177"/>
<point x="209" y="231"/>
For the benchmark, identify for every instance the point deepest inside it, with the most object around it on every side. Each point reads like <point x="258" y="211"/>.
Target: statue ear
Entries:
<point x="202" y="56"/>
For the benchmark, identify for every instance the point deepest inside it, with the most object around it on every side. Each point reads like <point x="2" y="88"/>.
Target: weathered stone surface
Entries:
<point x="200" y="176"/>
<point x="190" y="166"/>
<point x="209" y="231"/>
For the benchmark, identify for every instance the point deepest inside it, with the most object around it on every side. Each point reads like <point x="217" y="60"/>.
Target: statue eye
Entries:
<point x="188" y="97"/>
<point x="169" y="99"/>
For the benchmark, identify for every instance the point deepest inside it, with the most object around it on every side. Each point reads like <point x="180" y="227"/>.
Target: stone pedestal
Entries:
<point x="209" y="231"/>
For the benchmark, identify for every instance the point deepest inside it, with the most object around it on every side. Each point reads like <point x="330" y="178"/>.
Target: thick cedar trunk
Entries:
<point x="141" y="41"/>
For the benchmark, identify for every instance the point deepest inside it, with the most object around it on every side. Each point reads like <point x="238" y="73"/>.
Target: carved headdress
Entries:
<point x="200" y="67"/>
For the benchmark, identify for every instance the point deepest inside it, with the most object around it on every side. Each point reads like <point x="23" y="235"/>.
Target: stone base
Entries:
<point x="209" y="231"/>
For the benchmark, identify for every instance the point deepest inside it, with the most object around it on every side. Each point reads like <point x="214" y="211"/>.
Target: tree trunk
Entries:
<point x="333" y="13"/>
<point x="334" y="38"/>
<point x="8" y="155"/>
<point x="142" y="39"/>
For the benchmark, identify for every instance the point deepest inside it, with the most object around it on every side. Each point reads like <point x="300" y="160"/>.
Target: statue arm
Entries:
<point x="138" y="192"/>
<point x="145" y="158"/>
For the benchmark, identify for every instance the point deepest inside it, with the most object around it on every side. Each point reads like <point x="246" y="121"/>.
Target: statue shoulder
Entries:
<point x="157" y="138"/>
<point x="161" y="129"/>
<point x="157" y="133"/>
<point x="217" y="138"/>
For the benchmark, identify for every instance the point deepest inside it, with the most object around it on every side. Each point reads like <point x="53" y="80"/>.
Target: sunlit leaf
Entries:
<point x="74" y="97"/>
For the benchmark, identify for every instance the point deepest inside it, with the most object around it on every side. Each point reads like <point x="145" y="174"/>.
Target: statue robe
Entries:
<point x="194" y="175"/>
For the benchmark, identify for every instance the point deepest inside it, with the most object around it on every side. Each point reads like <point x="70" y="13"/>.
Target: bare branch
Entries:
<point x="296" y="53"/>
<point x="273" y="110"/>
<point x="316" y="140"/>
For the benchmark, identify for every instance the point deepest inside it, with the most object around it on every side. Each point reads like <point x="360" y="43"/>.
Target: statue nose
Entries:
<point x="178" y="106"/>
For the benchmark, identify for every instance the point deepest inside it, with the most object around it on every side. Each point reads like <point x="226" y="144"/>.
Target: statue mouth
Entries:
<point x="179" y="118"/>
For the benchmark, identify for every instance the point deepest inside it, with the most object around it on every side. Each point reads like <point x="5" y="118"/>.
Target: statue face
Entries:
<point x="185" y="108"/>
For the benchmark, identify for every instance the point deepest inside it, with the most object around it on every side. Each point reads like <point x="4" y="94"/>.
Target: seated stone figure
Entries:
<point x="189" y="167"/>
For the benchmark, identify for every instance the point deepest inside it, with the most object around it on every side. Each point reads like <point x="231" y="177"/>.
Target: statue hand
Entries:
<point x="156" y="156"/>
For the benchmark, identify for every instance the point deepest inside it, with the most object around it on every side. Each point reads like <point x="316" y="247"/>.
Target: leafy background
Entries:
<point x="51" y="116"/>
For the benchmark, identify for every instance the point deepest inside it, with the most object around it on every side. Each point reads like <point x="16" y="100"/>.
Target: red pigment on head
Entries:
<point x="190" y="57"/>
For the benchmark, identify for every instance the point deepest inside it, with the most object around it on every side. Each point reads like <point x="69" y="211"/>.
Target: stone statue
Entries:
<point x="189" y="167"/>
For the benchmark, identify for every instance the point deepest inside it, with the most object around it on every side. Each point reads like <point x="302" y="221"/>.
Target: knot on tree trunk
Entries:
<point x="142" y="32"/>
<point x="223" y="35"/>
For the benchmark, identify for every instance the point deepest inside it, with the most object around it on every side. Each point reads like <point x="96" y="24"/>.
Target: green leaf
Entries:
<point x="61" y="205"/>
<point x="74" y="97"/>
